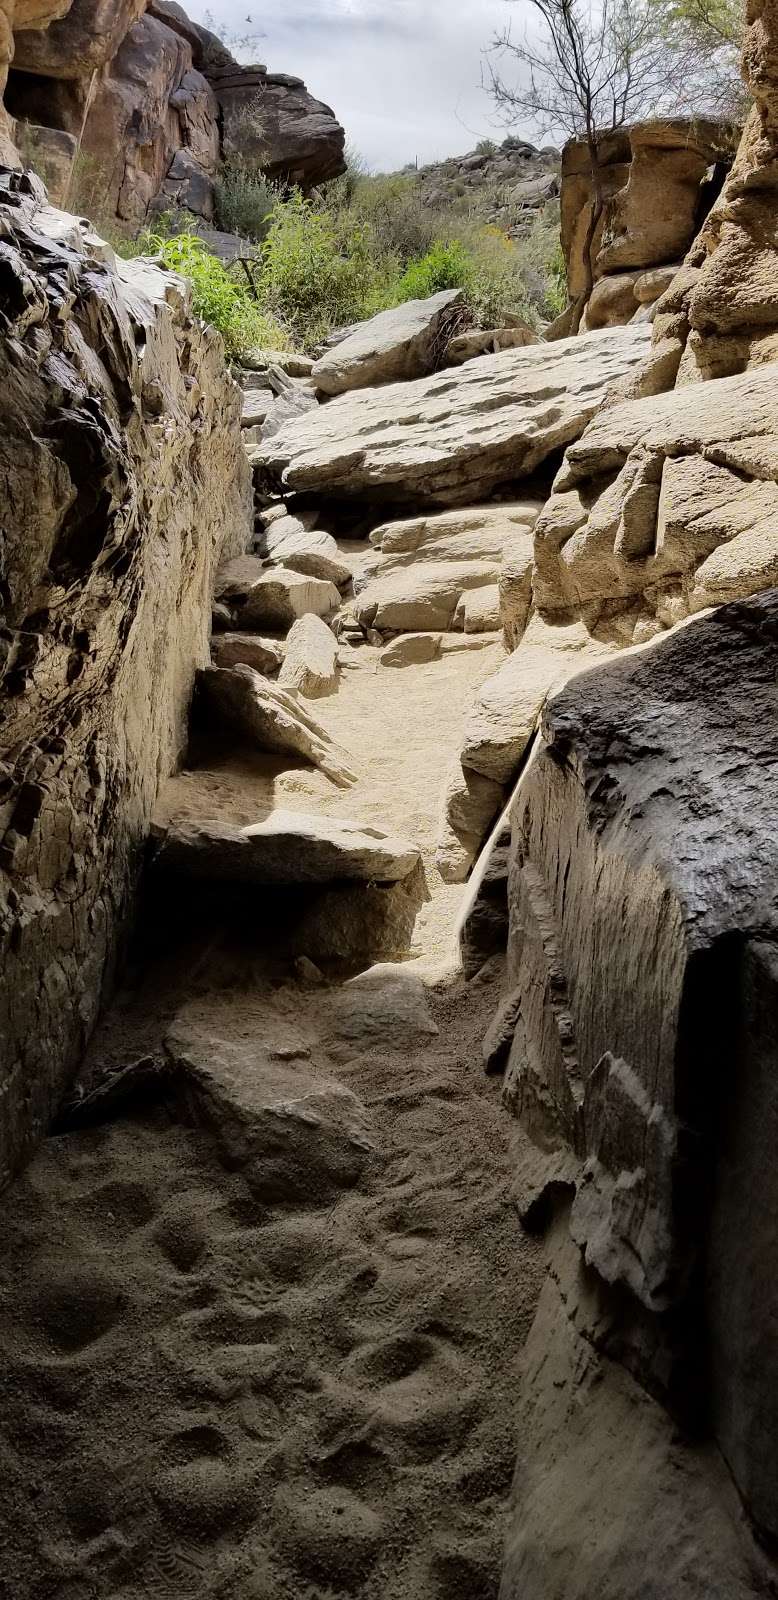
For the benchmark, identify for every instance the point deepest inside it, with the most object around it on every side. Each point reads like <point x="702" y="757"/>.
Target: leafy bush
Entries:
<point x="245" y="199"/>
<point x="445" y="266"/>
<point x="217" y="297"/>
<point x="315" y="276"/>
<point x="398" y="219"/>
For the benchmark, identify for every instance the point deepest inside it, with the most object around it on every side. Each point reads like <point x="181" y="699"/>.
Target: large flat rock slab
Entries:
<point x="457" y="435"/>
<point x="288" y="847"/>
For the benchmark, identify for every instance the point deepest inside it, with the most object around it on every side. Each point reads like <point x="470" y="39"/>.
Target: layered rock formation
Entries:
<point x="125" y="485"/>
<point x="659" y="179"/>
<point x="128" y="105"/>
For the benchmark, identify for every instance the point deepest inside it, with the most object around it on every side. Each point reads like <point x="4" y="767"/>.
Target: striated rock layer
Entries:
<point x="449" y="438"/>
<point x="125" y="484"/>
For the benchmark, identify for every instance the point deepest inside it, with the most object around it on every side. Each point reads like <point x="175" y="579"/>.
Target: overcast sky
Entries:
<point x="403" y="76"/>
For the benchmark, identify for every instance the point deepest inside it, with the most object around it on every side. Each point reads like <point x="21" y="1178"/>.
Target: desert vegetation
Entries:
<point x="361" y="245"/>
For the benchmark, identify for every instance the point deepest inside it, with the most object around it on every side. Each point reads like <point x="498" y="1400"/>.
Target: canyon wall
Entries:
<point x="125" y="482"/>
<point x="128" y="106"/>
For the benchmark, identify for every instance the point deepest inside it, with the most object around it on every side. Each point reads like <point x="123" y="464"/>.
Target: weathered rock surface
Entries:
<point x="504" y="714"/>
<point x="295" y="1134"/>
<point x="269" y="717"/>
<point x="459" y="434"/>
<point x="126" y="483"/>
<point x="289" y="847"/>
<point x="151" y="101"/>
<point x="423" y="596"/>
<point x="610" y="1498"/>
<point x="311" y="659"/>
<point x="261" y="597"/>
<point x="687" y="521"/>
<point x="247" y="649"/>
<point x="293" y="542"/>
<point x="657" y="189"/>
<point x="406" y="342"/>
<point x="385" y="1007"/>
<point x="643" y="867"/>
<point x="470" y="803"/>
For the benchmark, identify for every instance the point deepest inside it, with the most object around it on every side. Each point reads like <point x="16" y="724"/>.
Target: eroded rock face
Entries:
<point x="720" y="314"/>
<point x="126" y="483"/>
<point x="643" y="917"/>
<point x="147" y="96"/>
<point x="659" y="178"/>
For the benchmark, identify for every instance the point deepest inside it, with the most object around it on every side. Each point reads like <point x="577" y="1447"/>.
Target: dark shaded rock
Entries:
<point x="643" y="900"/>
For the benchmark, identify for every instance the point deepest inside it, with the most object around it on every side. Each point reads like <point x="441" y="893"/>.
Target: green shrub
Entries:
<point x="217" y="297"/>
<point x="316" y="275"/>
<point x="245" y="199"/>
<point x="445" y="266"/>
<point x="399" y="222"/>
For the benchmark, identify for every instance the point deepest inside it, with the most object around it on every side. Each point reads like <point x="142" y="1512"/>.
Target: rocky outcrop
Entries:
<point x="659" y="178"/>
<point x="406" y="342"/>
<point x="126" y="483"/>
<point x="127" y="106"/>
<point x="643" y="915"/>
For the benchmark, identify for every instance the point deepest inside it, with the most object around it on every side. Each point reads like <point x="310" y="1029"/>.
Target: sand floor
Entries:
<point x="216" y="1386"/>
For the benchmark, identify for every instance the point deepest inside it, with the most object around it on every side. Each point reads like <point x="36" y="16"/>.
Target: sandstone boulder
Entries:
<point x="478" y="610"/>
<point x="420" y="597"/>
<point x="293" y="542"/>
<point x="289" y="847"/>
<point x="239" y="700"/>
<point x="272" y="598"/>
<point x="311" y="659"/>
<point x="405" y="342"/>
<point x="504" y="715"/>
<point x="247" y="649"/>
<point x="457" y="435"/>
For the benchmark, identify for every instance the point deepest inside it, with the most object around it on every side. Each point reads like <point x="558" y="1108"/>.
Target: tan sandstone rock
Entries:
<point x="289" y="847"/>
<point x="311" y="659"/>
<point x="457" y="435"/>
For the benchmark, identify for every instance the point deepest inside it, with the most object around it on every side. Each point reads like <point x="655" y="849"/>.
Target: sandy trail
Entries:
<point x="213" y="1389"/>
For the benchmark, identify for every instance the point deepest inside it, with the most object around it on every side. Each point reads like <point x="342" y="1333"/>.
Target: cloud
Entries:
<point x="403" y="76"/>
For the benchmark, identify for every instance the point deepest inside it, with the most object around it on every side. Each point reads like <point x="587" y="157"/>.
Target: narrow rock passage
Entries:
<point x="262" y="1315"/>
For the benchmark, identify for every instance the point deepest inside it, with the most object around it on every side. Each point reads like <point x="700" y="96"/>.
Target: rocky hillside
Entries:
<point x="126" y="106"/>
<point x="506" y="185"/>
